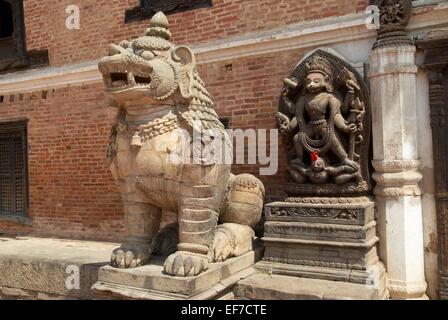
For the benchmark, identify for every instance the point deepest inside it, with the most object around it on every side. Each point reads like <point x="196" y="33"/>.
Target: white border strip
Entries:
<point x="295" y="36"/>
<point x="302" y="35"/>
<point x="49" y="78"/>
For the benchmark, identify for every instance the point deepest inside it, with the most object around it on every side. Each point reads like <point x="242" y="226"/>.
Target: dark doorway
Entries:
<point x="13" y="169"/>
<point x="6" y="20"/>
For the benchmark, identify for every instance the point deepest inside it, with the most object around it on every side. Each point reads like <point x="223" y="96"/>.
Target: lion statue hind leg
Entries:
<point x="241" y="214"/>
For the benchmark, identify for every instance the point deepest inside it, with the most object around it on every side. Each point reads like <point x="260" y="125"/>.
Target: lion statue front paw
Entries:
<point x="231" y="240"/>
<point x="185" y="264"/>
<point x="130" y="255"/>
<point x="223" y="246"/>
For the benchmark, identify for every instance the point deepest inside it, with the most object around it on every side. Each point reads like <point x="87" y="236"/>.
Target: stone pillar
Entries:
<point x="395" y="153"/>
<point x="393" y="84"/>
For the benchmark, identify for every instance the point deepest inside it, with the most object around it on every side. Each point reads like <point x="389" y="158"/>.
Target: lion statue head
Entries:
<point x="151" y="71"/>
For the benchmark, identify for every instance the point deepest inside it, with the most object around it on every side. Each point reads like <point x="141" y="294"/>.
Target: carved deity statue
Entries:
<point x="160" y="96"/>
<point x="322" y="119"/>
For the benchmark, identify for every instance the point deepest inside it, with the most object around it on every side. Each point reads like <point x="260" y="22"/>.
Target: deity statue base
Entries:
<point x="328" y="239"/>
<point x="352" y="188"/>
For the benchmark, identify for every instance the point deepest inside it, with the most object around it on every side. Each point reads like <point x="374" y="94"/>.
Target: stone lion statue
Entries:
<point x="159" y="96"/>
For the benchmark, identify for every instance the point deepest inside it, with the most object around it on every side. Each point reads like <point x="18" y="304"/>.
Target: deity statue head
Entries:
<point x="319" y="76"/>
<point x="317" y="163"/>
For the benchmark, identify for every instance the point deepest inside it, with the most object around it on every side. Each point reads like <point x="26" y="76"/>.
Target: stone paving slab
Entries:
<point x="40" y="264"/>
<point x="276" y="287"/>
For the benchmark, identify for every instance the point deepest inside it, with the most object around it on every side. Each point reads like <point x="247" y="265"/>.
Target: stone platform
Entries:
<point x="276" y="287"/>
<point x="151" y="283"/>
<point x="36" y="268"/>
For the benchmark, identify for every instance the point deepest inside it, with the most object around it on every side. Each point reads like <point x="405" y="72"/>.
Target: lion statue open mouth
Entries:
<point x="159" y="96"/>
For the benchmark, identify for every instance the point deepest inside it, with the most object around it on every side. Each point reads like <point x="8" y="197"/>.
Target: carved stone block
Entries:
<point x="325" y="234"/>
<point x="352" y="211"/>
<point x="265" y="287"/>
<point x="393" y="20"/>
<point x="324" y="120"/>
<point x="330" y="239"/>
<point x="149" y="282"/>
<point x="169" y="155"/>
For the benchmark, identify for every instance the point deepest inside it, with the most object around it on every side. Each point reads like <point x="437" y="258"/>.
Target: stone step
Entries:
<point x="37" y="268"/>
<point x="277" y="287"/>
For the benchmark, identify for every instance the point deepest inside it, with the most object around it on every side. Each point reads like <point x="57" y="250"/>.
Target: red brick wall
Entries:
<point x="248" y="94"/>
<point x="72" y="194"/>
<point x="71" y="190"/>
<point x="102" y="22"/>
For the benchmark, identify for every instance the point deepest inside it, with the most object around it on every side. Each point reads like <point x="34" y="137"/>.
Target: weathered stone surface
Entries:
<point x="328" y="234"/>
<point x="324" y="120"/>
<point x="322" y="210"/>
<point x="275" y="287"/>
<point x="375" y="273"/>
<point x="313" y="231"/>
<point x="34" y="265"/>
<point x="327" y="231"/>
<point x="330" y="239"/>
<point x="393" y="20"/>
<point x="169" y="152"/>
<point x="151" y="282"/>
<point x="397" y="166"/>
<point x="320" y="253"/>
<point x="7" y="293"/>
<point x="436" y="62"/>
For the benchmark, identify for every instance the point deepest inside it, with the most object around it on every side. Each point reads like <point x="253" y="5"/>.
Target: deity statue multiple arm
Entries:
<point x="313" y="120"/>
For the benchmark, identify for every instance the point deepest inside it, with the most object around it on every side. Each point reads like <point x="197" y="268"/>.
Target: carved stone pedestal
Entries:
<point x="149" y="282"/>
<point x="329" y="239"/>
